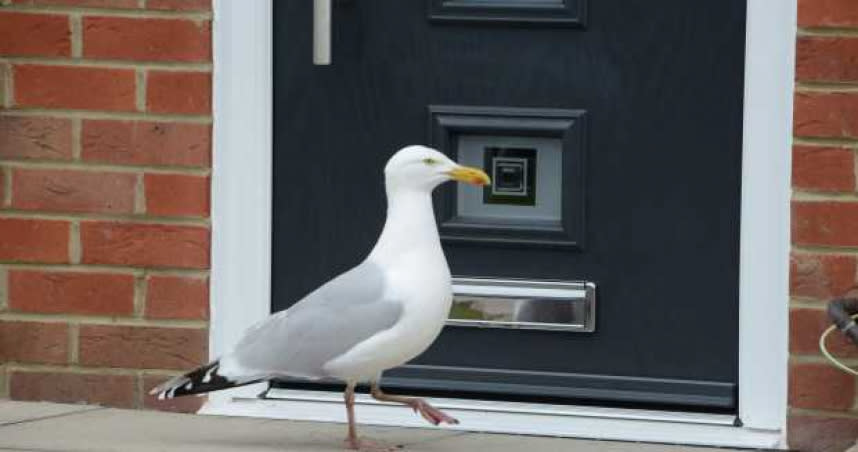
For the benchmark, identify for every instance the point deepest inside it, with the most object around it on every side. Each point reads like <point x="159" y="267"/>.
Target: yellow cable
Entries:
<point x="825" y="353"/>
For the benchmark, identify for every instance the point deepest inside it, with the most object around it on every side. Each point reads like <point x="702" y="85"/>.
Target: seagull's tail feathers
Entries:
<point x="198" y="381"/>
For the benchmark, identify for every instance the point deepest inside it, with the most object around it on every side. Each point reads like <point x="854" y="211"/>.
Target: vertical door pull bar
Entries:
<point x="321" y="32"/>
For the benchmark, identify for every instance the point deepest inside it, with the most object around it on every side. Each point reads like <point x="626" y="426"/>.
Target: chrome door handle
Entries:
<point x="321" y="32"/>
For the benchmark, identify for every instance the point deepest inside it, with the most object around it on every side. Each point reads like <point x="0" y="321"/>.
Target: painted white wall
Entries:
<point x="241" y="200"/>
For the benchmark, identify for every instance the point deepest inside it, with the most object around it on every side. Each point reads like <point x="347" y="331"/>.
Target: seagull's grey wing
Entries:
<point x="323" y="325"/>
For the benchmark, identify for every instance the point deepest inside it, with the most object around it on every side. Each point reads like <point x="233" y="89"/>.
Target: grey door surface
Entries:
<point x="644" y="99"/>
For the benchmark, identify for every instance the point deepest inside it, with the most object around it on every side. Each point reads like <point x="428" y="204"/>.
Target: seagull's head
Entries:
<point x="423" y="168"/>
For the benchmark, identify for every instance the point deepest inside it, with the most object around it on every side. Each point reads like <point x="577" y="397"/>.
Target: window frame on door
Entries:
<point x="241" y="222"/>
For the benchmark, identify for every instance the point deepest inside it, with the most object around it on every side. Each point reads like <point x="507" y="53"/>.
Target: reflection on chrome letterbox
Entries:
<point x="540" y="305"/>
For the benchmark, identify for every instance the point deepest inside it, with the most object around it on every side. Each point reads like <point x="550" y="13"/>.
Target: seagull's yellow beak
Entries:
<point x="470" y="175"/>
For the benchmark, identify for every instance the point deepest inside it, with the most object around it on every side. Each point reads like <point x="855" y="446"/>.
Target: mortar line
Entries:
<point x="76" y="35"/>
<point x="140" y="283"/>
<point x="139" y="195"/>
<point x="85" y="370"/>
<point x="825" y="413"/>
<point x="140" y="90"/>
<point x="76" y="138"/>
<point x="10" y="86"/>
<point x="116" y="115"/>
<point x="113" y="269"/>
<point x="103" y="167"/>
<point x="74" y="343"/>
<point x="823" y="250"/>
<point x="111" y="12"/>
<point x="855" y="172"/>
<point x="139" y="390"/>
<point x="7" y="185"/>
<point x="105" y="321"/>
<point x="171" y="66"/>
<point x="830" y="32"/>
<point x="4" y="288"/>
<point x="826" y="87"/>
<point x="814" y="305"/>
<point x="6" y="389"/>
<point x="819" y="359"/>
<point x="829" y="142"/>
<point x="75" y="252"/>
<point x="4" y="78"/>
<point x="204" y="223"/>
<point x="823" y="196"/>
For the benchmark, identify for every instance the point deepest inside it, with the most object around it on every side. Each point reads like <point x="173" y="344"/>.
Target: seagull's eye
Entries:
<point x="430" y="161"/>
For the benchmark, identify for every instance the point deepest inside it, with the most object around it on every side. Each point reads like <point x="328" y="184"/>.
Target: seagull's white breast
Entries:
<point x="420" y="280"/>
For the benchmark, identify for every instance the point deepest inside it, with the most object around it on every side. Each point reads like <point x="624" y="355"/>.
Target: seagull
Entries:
<point x="378" y="315"/>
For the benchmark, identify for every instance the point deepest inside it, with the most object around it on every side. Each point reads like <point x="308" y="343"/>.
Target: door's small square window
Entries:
<point x="513" y="173"/>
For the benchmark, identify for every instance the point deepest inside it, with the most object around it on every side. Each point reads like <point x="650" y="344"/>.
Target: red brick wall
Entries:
<point x="105" y="140"/>
<point x="824" y="264"/>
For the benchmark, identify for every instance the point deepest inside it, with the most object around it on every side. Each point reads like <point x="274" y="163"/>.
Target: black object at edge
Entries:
<point x="840" y="311"/>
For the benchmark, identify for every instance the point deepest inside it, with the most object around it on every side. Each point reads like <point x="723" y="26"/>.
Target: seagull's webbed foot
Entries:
<point x="429" y="412"/>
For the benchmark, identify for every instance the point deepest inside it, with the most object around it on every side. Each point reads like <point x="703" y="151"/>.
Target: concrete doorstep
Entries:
<point x="42" y="427"/>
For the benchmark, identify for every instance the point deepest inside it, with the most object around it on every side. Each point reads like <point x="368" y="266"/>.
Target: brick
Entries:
<point x="75" y="87"/>
<point x="179" y="92"/>
<point x="146" y="143"/>
<point x="806" y="325"/>
<point x="33" y="342"/>
<point x="73" y="191"/>
<point x="118" y="4"/>
<point x="825" y="223"/>
<point x="142" y="347"/>
<point x="23" y="34"/>
<point x="151" y="245"/>
<point x="823" y="169"/>
<point x="826" y="59"/>
<point x="177" y="195"/>
<point x="827" y="13"/>
<point x="177" y="405"/>
<point x="39" y="138"/>
<point x="71" y="292"/>
<point x="822" y="276"/>
<point x="820" y="386"/>
<point x="146" y="39"/>
<point x="826" y="114"/>
<point x="175" y="297"/>
<point x="820" y="433"/>
<point x="180" y="5"/>
<point x="109" y="390"/>
<point x="44" y="241"/>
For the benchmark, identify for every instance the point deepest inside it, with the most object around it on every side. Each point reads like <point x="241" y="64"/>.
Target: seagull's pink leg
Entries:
<point x="352" y="440"/>
<point x="349" y="395"/>
<point x="429" y="412"/>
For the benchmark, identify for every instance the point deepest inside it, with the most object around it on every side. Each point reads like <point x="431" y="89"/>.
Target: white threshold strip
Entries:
<point x="510" y="417"/>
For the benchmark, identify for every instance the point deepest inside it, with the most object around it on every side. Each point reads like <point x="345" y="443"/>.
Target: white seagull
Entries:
<point x="376" y="316"/>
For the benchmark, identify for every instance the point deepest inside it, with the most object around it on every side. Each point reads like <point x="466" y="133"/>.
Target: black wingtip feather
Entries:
<point x="198" y="381"/>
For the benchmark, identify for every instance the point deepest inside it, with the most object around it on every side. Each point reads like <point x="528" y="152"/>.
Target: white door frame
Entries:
<point x="241" y="244"/>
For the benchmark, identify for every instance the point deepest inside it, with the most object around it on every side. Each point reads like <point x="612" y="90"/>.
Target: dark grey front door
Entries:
<point x="643" y="102"/>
